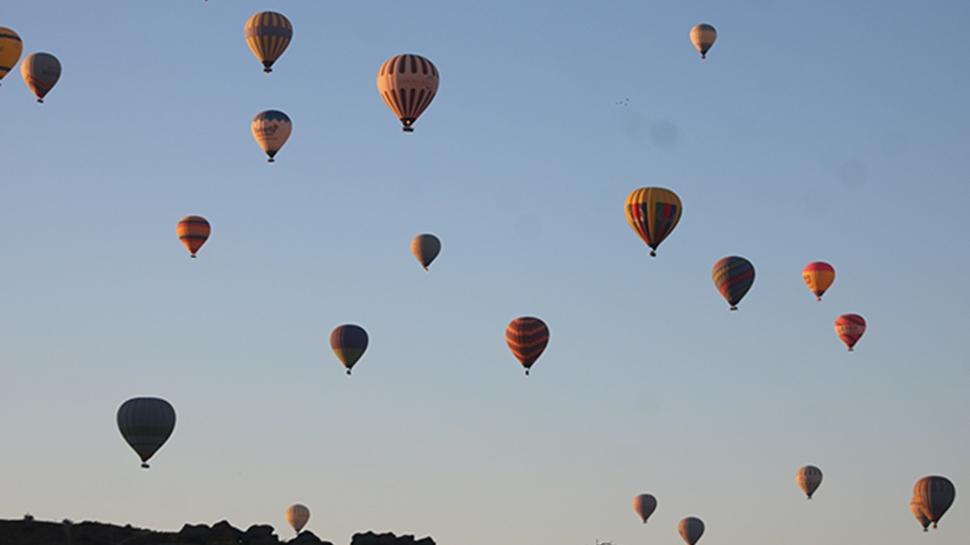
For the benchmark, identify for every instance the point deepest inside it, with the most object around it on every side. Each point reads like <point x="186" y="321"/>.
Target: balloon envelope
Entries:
<point x="644" y="506"/>
<point x="733" y="277"/>
<point x="818" y="276"/>
<point x="691" y="529"/>
<point x="407" y="83"/>
<point x="934" y="495"/>
<point x="271" y="129"/>
<point x="268" y="34"/>
<point x="348" y="342"/>
<point x="527" y="337"/>
<point x="40" y="72"/>
<point x="652" y="213"/>
<point x="297" y="516"/>
<point x="193" y="231"/>
<point x="146" y="423"/>
<point x="808" y="479"/>
<point x="425" y="248"/>
<point x="703" y="37"/>
<point x="849" y="328"/>
<point x="11" y="46"/>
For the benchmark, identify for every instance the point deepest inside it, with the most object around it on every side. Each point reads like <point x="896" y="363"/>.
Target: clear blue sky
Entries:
<point x="825" y="130"/>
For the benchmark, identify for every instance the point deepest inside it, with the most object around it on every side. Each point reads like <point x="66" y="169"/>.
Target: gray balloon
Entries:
<point x="146" y="423"/>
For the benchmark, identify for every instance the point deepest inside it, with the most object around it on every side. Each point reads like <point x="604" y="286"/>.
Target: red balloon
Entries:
<point x="849" y="328"/>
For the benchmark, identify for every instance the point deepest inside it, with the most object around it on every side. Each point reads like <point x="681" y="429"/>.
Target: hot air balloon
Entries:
<point x="733" y="277"/>
<point x="527" y="337"/>
<point x="193" y="231"/>
<point x="653" y="212"/>
<point x="297" y="515"/>
<point x="268" y="34"/>
<point x="146" y="423"/>
<point x="407" y="83"/>
<point x="934" y="495"/>
<point x="917" y="511"/>
<point x="703" y="37"/>
<point x="40" y="71"/>
<point x="849" y="328"/>
<point x="425" y="248"/>
<point x="818" y="276"/>
<point x="691" y="529"/>
<point x="271" y="129"/>
<point x="808" y="479"/>
<point x="644" y="505"/>
<point x="348" y="342"/>
<point x="11" y="46"/>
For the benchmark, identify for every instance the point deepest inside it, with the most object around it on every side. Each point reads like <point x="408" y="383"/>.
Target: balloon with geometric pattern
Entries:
<point x="652" y="213"/>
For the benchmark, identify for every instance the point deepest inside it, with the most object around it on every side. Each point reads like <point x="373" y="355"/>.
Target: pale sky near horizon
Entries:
<point x="829" y="130"/>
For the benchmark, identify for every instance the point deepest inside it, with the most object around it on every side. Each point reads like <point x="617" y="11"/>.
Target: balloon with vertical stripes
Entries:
<point x="268" y="34"/>
<point x="527" y="337"/>
<point x="407" y="83"/>
<point x="11" y="46"/>
<point x="652" y="213"/>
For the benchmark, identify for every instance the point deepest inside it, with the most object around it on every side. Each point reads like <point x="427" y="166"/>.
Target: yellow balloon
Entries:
<point x="11" y="46"/>
<point x="703" y="37"/>
<point x="297" y="515"/>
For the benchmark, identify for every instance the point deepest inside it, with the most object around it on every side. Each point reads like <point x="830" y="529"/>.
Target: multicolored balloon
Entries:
<point x="407" y="83"/>
<point x="808" y="479"/>
<point x="733" y="277"/>
<point x="652" y="213"/>
<point x="691" y="529"/>
<point x="146" y="423"/>
<point x="268" y="34"/>
<point x="921" y="517"/>
<point x="11" y="46"/>
<point x="297" y="515"/>
<point x="271" y="129"/>
<point x="193" y="231"/>
<point x="425" y="248"/>
<point x="348" y="342"/>
<point x="703" y="37"/>
<point x="934" y="495"/>
<point x="527" y="337"/>
<point x="818" y="276"/>
<point x="849" y="328"/>
<point x="644" y="505"/>
<point x="40" y="72"/>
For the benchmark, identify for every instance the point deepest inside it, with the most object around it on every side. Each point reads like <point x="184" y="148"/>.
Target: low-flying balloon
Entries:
<point x="849" y="328"/>
<point x="818" y="276"/>
<point x="733" y="277"/>
<point x="652" y="213"/>
<point x="11" y="46"/>
<point x="527" y="337"/>
<point x="644" y="506"/>
<point x="40" y="72"/>
<point x="268" y="34"/>
<point x="703" y="37"/>
<point x="934" y="495"/>
<point x="425" y="248"/>
<point x="348" y="342"/>
<point x="407" y="83"/>
<point x="691" y="529"/>
<point x="297" y="515"/>
<point x="146" y="423"/>
<point x="808" y="479"/>
<point x="921" y="517"/>
<point x="271" y="129"/>
<point x="193" y="231"/>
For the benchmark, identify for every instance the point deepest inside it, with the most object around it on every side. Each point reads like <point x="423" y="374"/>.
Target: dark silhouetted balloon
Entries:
<point x="146" y="423"/>
<point x="934" y="495"/>
<point x="808" y="479"/>
<point x="644" y="506"/>
<point x="348" y="342"/>
<point x="425" y="248"/>
<point x="691" y="529"/>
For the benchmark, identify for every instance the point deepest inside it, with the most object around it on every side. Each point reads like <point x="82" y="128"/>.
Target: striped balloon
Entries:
<point x="703" y="37"/>
<point x="733" y="277"/>
<point x="146" y="423"/>
<point x="808" y="479"/>
<point x="297" y="515"/>
<point x="40" y="72"/>
<point x="407" y="83"/>
<point x="921" y="517"/>
<point x="653" y="212"/>
<point x="425" y="248"/>
<point x="348" y="342"/>
<point x="818" y="276"/>
<point x="193" y="231"/>
<point x="527" y="337"/>
<point x="271" y="129"/>
<point x="644" y="505"/>
<point x="934" y="494"/>
<point x="11" y="46"/>
<point x="691" y="529"/>
<point x="268" y="34"/>
<point x="849" y="328"/>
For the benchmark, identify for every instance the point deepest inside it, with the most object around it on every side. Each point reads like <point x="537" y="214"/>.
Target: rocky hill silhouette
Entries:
<point x="33" y="532"/>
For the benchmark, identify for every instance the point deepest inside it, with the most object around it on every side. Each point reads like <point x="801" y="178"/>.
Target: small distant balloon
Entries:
<point x="921" y="517"/>
<point x="349" y="342"/>
<point x="818" y="276"/>
<point x="527" y="338"/>
<point x="691" y="529"/>
<point x="193" y="231"/>
<point x="849" y="328"/>
<point x="146" y="423"/>
<point x="652" y="213"/>
<point x="703" y="37"/>
<point x="808" y="479"/>
<point x="733" y="276"/>
<point x="268" y="34"/>
<point x="297" y="515"/>
<point x="425" y="248"/>
<point x="11" y="47"/>
<point x="271" y="129"/>
<point x="407" y="83"/>
<point x="934" y="495"/>
<point x="40" y="72"/>
<point x="644" y="506"/>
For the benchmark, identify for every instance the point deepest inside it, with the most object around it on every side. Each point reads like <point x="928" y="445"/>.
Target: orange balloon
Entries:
<point x="193" y="231"/>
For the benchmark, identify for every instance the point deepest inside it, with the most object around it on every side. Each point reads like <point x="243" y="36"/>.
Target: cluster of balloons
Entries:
<point x="39" y="70"/>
